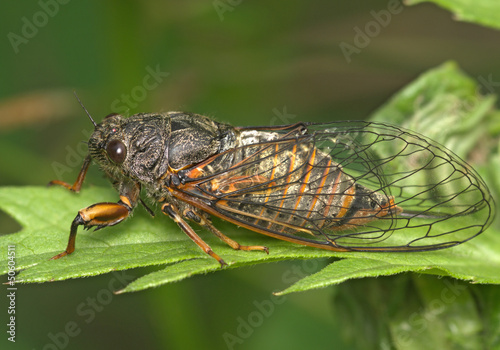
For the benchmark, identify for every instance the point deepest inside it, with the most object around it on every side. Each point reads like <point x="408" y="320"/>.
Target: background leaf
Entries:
<point x="484" y="12"/>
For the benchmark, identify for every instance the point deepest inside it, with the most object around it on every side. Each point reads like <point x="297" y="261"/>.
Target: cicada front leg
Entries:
<point x="103" y="214"/>
<point x="98" y="215"/>
<point x="79" y="180"/>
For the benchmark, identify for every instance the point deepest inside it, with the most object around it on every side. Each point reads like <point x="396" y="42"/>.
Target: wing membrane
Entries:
<point x="308" y="183"/>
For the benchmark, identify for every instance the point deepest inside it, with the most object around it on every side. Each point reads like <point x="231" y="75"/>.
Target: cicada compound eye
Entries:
<point x="116" y="151"/>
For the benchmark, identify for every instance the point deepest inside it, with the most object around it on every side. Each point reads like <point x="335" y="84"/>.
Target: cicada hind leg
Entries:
<point x="173" y="213"/>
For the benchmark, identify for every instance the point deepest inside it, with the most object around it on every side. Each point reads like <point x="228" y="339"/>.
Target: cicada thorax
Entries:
<point x="286" y="185"/>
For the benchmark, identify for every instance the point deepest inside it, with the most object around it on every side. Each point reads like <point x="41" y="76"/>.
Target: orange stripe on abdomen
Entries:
<point x="347" y="201"/>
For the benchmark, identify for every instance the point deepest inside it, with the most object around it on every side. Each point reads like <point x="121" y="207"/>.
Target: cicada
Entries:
<point x="340" y="186"/>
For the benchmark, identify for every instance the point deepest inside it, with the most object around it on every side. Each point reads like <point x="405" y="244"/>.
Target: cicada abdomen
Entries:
<point x="344" y="186"/>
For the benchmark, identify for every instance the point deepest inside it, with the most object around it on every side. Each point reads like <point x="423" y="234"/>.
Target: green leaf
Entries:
<point x="445" y="105"/>
<point x="418" y="312"/>
<point x="484" y="12"/>
<point x="437" y="104"/>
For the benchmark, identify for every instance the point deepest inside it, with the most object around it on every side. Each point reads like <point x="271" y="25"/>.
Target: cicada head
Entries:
<point x="108" y="145"/>
<point x="144" y="147"/>
<point x="132" y="148"/>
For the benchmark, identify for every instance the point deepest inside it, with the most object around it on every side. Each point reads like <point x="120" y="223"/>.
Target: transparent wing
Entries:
<point x="344" y="186"/>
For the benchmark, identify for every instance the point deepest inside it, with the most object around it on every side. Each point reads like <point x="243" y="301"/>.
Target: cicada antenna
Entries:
<point x="85" y="109"/>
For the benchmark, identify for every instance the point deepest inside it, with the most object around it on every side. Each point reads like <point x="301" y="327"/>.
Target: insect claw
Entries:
<point x="60" y="255"/>
<point x="222" y="263"/>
